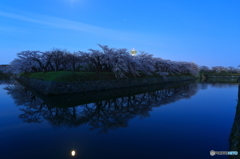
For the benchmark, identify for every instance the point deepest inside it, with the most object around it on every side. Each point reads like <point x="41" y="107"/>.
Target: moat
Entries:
<point x="178" y="120"/>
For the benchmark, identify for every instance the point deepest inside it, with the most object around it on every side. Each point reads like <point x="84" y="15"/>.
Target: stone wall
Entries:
<point x="52" y="87"/>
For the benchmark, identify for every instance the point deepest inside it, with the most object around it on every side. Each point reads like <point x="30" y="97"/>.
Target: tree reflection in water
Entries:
<point x="102" y="114"/>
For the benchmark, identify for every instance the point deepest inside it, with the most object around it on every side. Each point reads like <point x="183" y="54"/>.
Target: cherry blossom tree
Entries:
<point x="74" y="61"/>
<point x="146" y="63"/>
<point x="59" y="59"/>
<point x="118" y="61"/>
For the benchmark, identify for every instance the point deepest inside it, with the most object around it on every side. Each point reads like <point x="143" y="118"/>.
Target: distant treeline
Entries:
<point x="3" y="76"/>
<point x="4" y="67"/>
<point x="218" y="69"/>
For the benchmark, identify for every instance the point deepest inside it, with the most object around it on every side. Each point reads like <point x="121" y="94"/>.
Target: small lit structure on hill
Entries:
<point x="133" y="52"/>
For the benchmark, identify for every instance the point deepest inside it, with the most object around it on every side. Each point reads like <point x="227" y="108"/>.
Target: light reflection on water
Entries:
<point x="151" y="124"/>
<point x="73" y="153"/>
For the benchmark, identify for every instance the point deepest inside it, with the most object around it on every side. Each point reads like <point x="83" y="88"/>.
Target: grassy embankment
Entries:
<point x="69" y="76"/>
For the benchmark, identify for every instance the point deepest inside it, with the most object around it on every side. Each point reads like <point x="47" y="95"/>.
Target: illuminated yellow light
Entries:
<point x="73" y="153"/>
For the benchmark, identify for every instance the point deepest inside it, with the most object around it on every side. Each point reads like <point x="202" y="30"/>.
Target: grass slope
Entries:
<point x="69" y="76"/>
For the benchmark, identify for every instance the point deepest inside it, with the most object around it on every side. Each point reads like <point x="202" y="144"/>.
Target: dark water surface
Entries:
<point x="153" y="122"/>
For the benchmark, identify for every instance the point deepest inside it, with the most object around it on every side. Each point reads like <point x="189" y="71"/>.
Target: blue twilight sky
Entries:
<point x="204" y="31"/>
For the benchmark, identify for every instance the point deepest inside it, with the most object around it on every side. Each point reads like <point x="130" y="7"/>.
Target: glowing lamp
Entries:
<point x="133" y="52"/>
